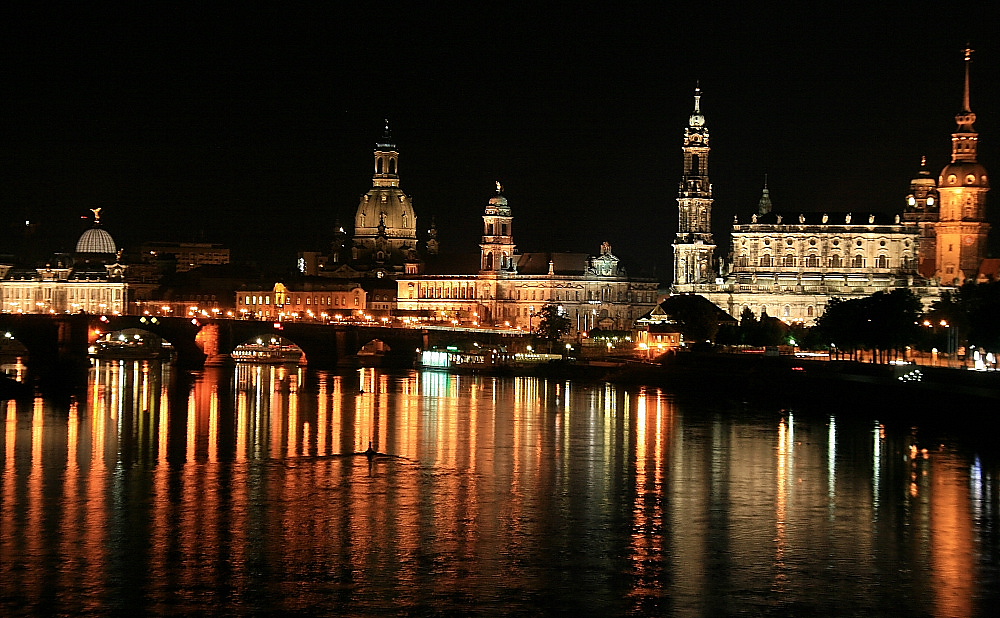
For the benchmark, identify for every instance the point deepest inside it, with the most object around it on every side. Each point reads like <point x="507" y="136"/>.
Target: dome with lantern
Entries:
<point x="96" y="241"/>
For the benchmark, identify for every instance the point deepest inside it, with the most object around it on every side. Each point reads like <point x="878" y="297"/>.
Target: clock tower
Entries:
<point x="693" y="245"/>
<point x="961" y="228"/>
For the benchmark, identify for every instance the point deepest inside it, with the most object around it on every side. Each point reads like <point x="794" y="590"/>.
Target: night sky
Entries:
<point x="256" y="129"/>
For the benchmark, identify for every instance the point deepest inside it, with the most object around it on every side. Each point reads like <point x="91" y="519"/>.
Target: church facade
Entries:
<point x="790" y="265"/>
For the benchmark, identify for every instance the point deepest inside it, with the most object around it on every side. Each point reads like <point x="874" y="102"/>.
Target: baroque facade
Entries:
<point x="501" y="287"/>
<point x="790" y="265"/>
<point x="90" y="280"/>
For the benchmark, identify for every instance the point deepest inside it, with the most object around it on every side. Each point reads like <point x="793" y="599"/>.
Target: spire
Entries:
<point x="923" y="171"/>
<point x="966" y="118"/>
<point x="386" y="141"/>
<point x="764" y="205"/>
<point x="966" y="106"/>
<point x="697" y="119"/>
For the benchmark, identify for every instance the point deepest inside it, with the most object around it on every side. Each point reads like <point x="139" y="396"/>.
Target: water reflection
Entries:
<point x="237" y="491"/>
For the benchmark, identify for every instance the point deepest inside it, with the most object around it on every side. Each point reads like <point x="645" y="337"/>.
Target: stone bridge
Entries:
<point x="61" y="342"/>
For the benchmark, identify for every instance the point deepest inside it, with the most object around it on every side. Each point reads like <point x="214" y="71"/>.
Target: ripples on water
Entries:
<point x="234" y="494"/>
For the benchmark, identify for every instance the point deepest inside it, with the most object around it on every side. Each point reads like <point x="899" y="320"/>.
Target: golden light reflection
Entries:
<point x="650" y="537"/>
<point x="952" y="537"/>
<point x="786" y="444"/>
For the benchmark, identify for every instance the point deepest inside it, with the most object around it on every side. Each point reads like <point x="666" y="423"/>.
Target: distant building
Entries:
<point x="501" y="287"/>
<point x="185" y="255"/>
<point x="89" y="280"/>
<point x="312" y="299"/>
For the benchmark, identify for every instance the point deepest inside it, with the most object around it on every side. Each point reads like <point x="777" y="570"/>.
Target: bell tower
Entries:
<point x="498" y="235"/>
<point x="693" y="245"/>
<point x="961" y="228"/>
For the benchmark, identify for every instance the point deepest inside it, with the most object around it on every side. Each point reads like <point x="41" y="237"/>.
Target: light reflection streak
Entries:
<point x="831" y="464"/>
<point x="951" y="532"/>
<point x="786" y="442"/>
<point x="878" y="436"/>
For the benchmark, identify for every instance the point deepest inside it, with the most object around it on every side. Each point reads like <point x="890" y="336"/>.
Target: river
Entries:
<point x="241" y="492"/>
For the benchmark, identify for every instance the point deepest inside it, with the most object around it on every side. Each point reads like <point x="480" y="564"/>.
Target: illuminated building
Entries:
<point x="657" y="332"/>
<point x="961" y="226"/>
<point x="791" y="264"/>
<point x="384" y="243"/>
<point x="90" y="280"/>
<point x="317" y="300"/>
<point x="693" y="246"/>
<point x="501" y="287"/>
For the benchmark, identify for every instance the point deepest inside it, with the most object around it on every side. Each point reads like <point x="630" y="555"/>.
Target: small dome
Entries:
<point x="963" y="174"/>
<point x="96" y="240"/>
<point x="498" y="200"/>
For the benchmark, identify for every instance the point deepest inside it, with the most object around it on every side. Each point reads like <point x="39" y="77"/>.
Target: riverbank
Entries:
<point x="796" y="379"/>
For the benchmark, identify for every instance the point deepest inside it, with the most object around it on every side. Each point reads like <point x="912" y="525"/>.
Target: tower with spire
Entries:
<point x="961" y="228"/>
<point x="497" y="246"/>
<point x="764" y="206"/>
<point x="693" y="244"/>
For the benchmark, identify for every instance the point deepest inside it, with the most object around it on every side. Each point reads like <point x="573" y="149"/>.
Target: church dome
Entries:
<point x="387" y="206"/>
<point x="96" y="240"/>
<point x="963" y="174"/>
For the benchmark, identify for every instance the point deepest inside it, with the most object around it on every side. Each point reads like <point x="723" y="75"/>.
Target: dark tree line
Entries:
<point x="885" y="323"/>
<point x="971" y="315"/>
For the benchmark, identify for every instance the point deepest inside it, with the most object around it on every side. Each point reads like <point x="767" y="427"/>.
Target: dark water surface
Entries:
<point x="231" y="494"/>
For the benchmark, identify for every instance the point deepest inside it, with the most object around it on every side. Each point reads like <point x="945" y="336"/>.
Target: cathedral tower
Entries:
<point x="498" y="235"/>
<point x="693" y="246"/>
<point x="961" y="228"/>
<point x="385" y="226"/>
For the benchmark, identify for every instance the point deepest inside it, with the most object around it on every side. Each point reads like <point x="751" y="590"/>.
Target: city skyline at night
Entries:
<point x="256" y="131"/>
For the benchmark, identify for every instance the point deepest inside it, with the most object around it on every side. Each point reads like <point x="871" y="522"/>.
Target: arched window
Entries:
<point x="789" y="261"/>
<point x="812" y="261"/>
<point x="881" y="262"/>
<point x="695" y="165"/>
<point x="765" y="261"/>
<point x="787" y="311"/>
<point x="392" y="166"/>
<point x="489" y="229"/>
<point x="378" y="165"/>
<point x="744" y="261"/>
<point x="858" y="261"/>
<point x="809" y="311"/>
<point x="836" y="262"/>
<point x="489" y="261"/>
